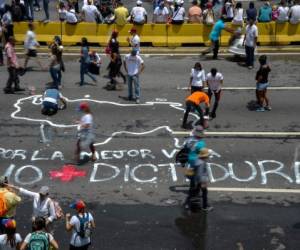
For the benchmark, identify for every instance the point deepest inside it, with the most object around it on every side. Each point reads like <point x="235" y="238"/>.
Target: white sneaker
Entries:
<point x="208" y="209"/>
<point x="137" y="101"/>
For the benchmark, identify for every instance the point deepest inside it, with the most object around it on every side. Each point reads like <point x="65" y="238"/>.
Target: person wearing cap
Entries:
<point x="50" y="101"/>
<point x="178" y="12"/>
<point x="86" y="134"/>
<point x="214" y="37"/>
<point x="11" y="199"/>
<point x="121" y="14"/>
<point x="40" y="232"/>
<point x="43" y="206"/>
<point x="134" y="41"/>
<point x="138" y="14"/>
<point x="161" y="13"/>
<point x="10" y="240"/>
<point x="194" y="101"/>
<point x="134" y="66"/>
<point x="74" y="223"/>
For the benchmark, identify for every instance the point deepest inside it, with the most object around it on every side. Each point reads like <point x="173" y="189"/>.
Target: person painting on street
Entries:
<point x="134" y="41"/>
<point x="39" y="238"/>
<point x="12" y="68"/>
<point x="84" y="61"/>
<point x="10" y="240"/>
<point x="10" y="201"/>
<point x="134" y="66"/>
<point x="31" y="45"/>
<point x="50" y="101"/>
<point x="43" y="206"/>
<point x="192" y="146"/>
<point x="197" y="79"/>
<point x="194" y="101"/>
<point x="214" y="81"/>
<point x="250" y="42"/>
<point x="262" y="84"/>
<point x="86" y="134"/>
<point x="214" y="37"/>
<point x="81" y="226"/>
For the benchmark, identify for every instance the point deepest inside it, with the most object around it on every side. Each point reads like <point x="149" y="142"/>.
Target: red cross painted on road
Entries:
<point x="67" y="174"/>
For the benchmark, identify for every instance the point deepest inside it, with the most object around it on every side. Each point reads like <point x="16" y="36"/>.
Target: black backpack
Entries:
<point x="84" y="230"/>
<point x="182" y="156"/>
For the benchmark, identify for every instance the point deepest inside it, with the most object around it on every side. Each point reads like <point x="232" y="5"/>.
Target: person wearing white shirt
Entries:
<point x="134" y="65"/>
<point x="294" y="13"/>
<point x="31" y="45"/>
<point x="10" y="240"/>
<point x="238" y="14"/>
<point x="71" y="17"/>
<point x="214" y="81"/>
<point x="250" y="42"/>
<point x="178" y="13"/>
<point x="138" y="14"/>
<point x="135" y="40"/>
<point x="283" y="12"/>
<point x="161" y="14"/>
<point x="197" y="79"/>
<point x="90" y="13"/>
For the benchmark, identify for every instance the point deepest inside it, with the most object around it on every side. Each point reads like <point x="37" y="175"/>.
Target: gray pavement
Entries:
<point x="134" y="189"/>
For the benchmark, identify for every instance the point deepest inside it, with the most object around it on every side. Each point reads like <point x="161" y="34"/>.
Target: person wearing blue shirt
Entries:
<point x="214" y="37"/>
<point x="50" y="102"/>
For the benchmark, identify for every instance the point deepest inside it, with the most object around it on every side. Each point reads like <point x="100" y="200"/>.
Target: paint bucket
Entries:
<point x="31" y="90"/>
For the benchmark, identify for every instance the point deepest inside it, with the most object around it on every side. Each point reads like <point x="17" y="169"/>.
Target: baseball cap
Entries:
<point x="83" y="105"/>
<point x="139" y="2"/>
<point x="9" y="223"/>
<point x="44" y="190"/>
<point x="133" y="30"/>
<point x="78" y="205"/>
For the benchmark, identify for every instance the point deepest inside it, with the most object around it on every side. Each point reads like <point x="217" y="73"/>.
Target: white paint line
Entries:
<point x="255" y="190"/>
<point x="176" y="54"/>
<point x="249" y="88"/>
<point x="240" y="133"/>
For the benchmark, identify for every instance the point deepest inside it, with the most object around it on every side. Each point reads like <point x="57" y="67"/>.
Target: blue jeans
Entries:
<point x="135" y="80"/>
<point x="29" y="9"/>
<point x="46" y="8"/>
<point x="56" y="76"/>
<point x="249" y="55"/>
<point x="84" y="70"/>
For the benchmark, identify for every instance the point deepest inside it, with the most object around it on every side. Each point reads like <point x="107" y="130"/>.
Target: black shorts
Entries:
<point x="31" y="53"/>
<point x="79" y="248"/>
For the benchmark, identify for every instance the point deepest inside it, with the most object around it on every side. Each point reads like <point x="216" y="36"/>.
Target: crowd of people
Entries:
<point x="46" y="212"/>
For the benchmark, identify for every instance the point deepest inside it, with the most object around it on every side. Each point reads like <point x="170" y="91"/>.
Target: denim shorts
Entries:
<point x="262" y="86"/>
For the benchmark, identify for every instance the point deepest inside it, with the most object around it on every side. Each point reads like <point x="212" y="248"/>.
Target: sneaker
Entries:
<point x="250" y="67"/>
<point x="268" y="108"/>
<point x="137" y="101"/>
<point x="213" y="115"/>
<point x="260" y="109"/>
<point x="19" y="89"/>
<point x="8" y="91"/>
<point x="208" y="209"/>
<point x="46" y="21"/>
<point x="184" y="126"/>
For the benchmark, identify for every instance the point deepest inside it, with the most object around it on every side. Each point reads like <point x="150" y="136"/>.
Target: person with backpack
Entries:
<point x="43" y="206"/>
<point x="81" y="225"/>
<point x="9" y="201"/>
<point x="39" y="239"/>
<point x="10" y="240"/>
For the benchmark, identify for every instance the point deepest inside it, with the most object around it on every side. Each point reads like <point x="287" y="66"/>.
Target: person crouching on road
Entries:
<point x="81" y="226"/>
<point x="214" y="81"/>
<point x="262" y="84"/>
<point x="50" y="102"/>
<point x="194" y="101"/>
<point x="86" y="134"/>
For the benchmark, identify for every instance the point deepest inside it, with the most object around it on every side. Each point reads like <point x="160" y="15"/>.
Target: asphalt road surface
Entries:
<point x="134" y="188"/>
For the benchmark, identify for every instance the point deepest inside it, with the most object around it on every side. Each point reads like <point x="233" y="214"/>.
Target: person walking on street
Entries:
<point x="12" y="68"/>
<point x="55" y="66"/>
<point x="214" y="37"/>
<point x="30" y="45"/>
<point x="84" y="62"/>
<point x="197" y="79"/>
<point x="250" y="42"/>
<point x="39" y="238"/>
<point x="134" y="66"/>
<point x="86" y="134"/>
<point x="10" y="240"/>
<point x="134" y="41"/>
<point x="81" y="226"/>
<point x="194" y="101"/>
<point x="262" y="84"/>
<point x="1" y="45"/>
<point x="10" y="200"/>
<point x="214" y="81"/>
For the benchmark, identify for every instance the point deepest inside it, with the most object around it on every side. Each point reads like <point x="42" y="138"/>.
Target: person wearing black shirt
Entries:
<point x="262" y="84"/>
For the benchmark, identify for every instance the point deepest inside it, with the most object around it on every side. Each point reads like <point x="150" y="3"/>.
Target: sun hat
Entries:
<point x="9" y="223"/>
<point x="44" y="190"/>
<point x="204" y="153"/>
<point x="78" y="205"/>
<point x="198" y="131"/>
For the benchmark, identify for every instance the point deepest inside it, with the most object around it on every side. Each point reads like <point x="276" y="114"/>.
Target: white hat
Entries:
<point x="139" y="2"/>
<point x="44" y="190"/>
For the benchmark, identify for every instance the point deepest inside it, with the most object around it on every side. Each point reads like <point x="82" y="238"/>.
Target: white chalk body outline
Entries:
<point x="36" y="100"/>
